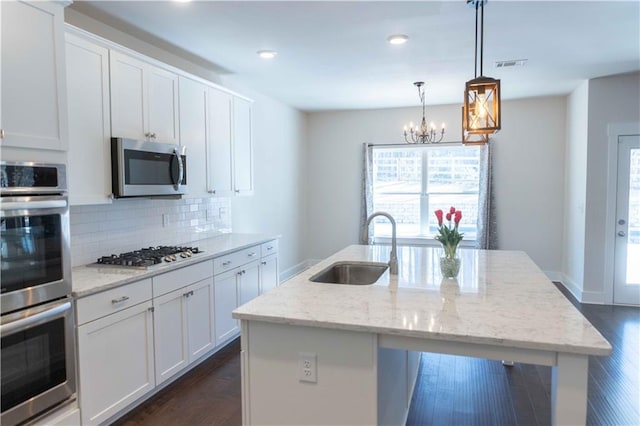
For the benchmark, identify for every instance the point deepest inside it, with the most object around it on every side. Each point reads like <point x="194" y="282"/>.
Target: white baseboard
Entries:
<point x="296" y="269"/>
<point x="591" y="297"/>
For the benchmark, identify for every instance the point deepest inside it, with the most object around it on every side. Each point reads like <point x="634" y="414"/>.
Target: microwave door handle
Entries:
<point x="33" y="319"/>
<point x="176" y="185"/>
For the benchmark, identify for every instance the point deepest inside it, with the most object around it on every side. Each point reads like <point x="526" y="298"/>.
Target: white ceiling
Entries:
<point x="334" y="55"/>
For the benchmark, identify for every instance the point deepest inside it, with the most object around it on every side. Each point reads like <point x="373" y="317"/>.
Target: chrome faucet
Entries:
<point x="393" y="259"/>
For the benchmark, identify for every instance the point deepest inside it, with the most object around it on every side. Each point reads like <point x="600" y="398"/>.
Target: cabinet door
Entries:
<point x="115" y="362"/>
<point x="201" y="334"/>
<point x="33" y="111"/>
<point x="89" y="168"/>
<point x="193" y="134"/>
<point x="242" y="147"/>
<point x="249" y="282"/>
<point x="127" y="97"/>
<point x="170" y="332"/>
<point x="162" y="104"/>
<point x="268" y="273"/>
<point x="226" y="300"/>
<point x="219" y="166"/>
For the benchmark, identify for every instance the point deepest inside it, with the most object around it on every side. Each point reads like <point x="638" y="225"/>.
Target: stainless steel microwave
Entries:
<point x="147" y="169"/>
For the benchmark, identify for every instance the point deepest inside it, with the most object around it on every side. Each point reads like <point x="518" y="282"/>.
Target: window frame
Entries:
<point x="426" y="239"/>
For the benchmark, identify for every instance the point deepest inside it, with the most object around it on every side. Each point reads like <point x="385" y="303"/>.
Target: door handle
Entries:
<point x="621" y="233"/>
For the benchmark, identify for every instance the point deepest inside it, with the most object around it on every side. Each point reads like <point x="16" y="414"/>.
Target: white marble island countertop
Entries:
<point x="500" y="298"/>
<point x="90" y="279"/>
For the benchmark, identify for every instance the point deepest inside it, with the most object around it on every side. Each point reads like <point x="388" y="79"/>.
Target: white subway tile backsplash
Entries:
<point x="127" y="225"/>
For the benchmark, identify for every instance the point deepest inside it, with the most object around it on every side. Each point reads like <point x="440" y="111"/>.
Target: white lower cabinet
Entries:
<point x="226" y="300"/>
<point x="116" y="362"/>
<point x="183" y="317"/>
<point x="183" y="327"/>
<point x="248" y="282"/>
<point x="268" y="273"/>
<point x="134" y="337"/>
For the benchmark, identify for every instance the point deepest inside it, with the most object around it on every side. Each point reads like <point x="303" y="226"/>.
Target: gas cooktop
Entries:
<point x="148" y="257"/>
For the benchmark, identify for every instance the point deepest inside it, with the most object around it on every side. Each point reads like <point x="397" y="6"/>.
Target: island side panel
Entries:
<point x="346" y="369"/>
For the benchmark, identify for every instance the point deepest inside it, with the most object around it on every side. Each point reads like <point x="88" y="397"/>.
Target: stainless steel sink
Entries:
<point x="352" y="273"/>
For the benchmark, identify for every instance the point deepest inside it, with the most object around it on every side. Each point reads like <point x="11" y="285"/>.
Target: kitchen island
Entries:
<point x="318" y="353"/>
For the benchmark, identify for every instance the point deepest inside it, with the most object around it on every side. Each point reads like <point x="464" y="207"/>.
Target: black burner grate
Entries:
<point x="149" y="256"/>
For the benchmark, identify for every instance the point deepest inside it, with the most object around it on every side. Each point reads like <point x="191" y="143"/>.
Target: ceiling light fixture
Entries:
<point x="481" y="109"/>
<point x="267" y="54"/>
<point x="398" y="39"/>
<point x="422" y="134"/>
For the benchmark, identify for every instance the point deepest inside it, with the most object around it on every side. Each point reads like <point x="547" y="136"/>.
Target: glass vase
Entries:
<point x="449" y="266"/>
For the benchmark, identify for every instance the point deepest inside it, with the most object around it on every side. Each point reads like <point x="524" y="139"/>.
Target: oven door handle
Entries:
<point x="34" y="319"/>
<point x="33" y="204"/>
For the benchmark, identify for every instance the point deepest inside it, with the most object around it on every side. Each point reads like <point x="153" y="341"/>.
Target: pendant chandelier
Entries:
<point x="481" y="109"/>
<point x="422" y="133"/>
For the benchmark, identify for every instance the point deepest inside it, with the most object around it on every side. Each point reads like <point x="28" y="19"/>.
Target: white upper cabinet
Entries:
<point x="242" y="147"/>
<point x="34" y="106"/>
<point x="229" y="145"/>
<point x="219" y="154"/>
<point x="144" y="100"/>
<point x="193" y="133"/>
<point x="89" y="169"/>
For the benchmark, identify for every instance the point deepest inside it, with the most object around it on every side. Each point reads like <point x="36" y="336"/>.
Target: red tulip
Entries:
<point x="439" y="216"/>
<point x="448" y="217"/>
<point x="452" y="210"/>
<point x="458" y="217"/>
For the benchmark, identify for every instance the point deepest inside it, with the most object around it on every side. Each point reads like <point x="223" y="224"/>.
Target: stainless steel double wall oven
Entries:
<point x="37" y="323"/>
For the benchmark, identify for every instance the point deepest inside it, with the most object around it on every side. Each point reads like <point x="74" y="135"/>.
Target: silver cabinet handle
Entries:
<point x="270" y="248"/>
<point x="263" y="262"/>
<point x="213" y="191"/>
<point x="621" y="233"/>
<point x="153" y="135"/>
<point x="252" y="254"/>
<point x="120" y="299"/>
<point x="227" y="263"/>
<point x="1" y="133"/>
<point x="237" y="191"/>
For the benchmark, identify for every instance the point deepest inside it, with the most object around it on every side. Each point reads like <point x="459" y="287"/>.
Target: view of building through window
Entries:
<point x="411" y="183"/>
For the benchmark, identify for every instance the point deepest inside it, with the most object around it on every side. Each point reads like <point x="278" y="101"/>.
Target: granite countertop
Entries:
<point x="499" y="298"/>
<point x="87" y="280"/>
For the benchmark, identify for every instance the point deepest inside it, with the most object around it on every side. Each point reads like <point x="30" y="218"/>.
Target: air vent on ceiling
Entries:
<point x="511" y="63"/>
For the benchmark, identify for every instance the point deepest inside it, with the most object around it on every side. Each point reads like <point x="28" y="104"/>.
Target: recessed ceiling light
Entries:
<point x="511" y="63"/>
<point x="398" y="39"/>
<point x="267" y="54"/>
<point x="182" y="1"/>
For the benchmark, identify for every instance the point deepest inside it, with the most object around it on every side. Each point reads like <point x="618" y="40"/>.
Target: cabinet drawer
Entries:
<point x="99" y="305"/>
<point x="179" y="278"/>
<point x="235" y="259"/>
<point x="270" y="247"/>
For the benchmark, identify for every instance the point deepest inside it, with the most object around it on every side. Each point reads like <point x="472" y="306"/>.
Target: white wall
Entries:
<point x="278" y="203"/>
<point x="614" y="99"/>
<point x="528" y="172"/>
<point x="575" y="188"/>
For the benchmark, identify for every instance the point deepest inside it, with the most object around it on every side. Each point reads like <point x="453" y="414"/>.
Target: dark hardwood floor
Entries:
<point x="451" y="390"/>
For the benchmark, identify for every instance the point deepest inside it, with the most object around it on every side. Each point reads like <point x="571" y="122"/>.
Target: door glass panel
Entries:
<point x="33" y="361"/>
<point x="31" y="251"/>
<point x="633" y="239"/>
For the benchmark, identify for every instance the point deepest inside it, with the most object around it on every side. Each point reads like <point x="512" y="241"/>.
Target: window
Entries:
<point x="412" y="182"/>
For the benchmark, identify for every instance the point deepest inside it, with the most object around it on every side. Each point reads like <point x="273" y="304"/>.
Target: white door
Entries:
<point x="226" y="300"/>
<point x="162" y="104"/>
<point x="626" y="288"/>
<point x="193" y="134"/>
<point x="127" y="97"/>
<point x="201" y="336"/>
<point x="249" y="282"/>
<point x="170" y="332"/>
<point x="268" y="273"/>
<point x="219" y="165"/>
<point x="242" y="147"/>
